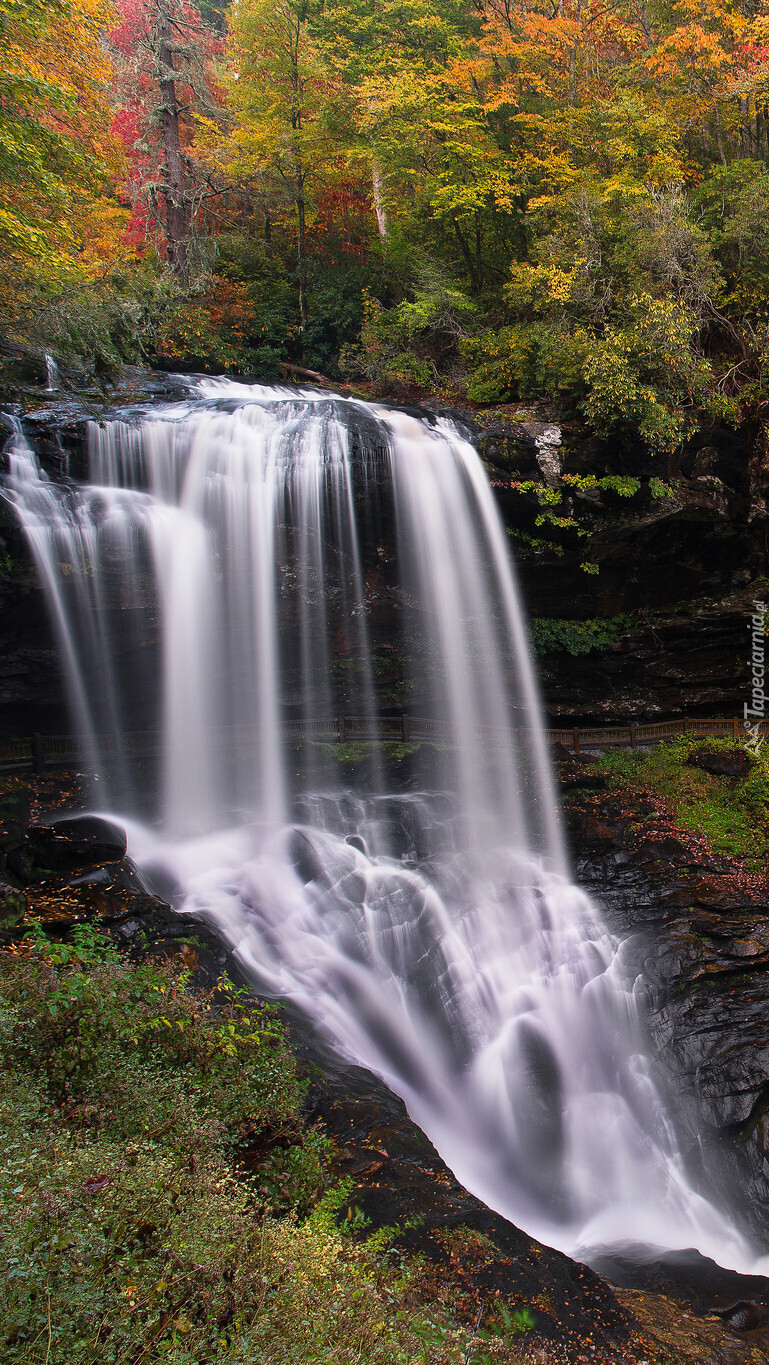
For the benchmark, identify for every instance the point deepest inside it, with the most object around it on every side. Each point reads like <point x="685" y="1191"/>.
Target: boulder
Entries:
<point x="721" y="762"/>
<point x="76" y="842"/>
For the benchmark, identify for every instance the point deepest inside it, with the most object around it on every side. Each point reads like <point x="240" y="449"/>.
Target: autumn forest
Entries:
<point x="493" y="200"/>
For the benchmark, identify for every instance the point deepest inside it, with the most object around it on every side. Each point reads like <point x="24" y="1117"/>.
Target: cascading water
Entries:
<point x="241" y="570"/>
<point x="51" y="373"/>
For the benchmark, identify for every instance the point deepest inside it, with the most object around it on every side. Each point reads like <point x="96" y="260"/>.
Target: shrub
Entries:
<point x="131" y="1231"/>
<point x="523" y="361"/>
<point x="411" y="341"/>
<point x="129" y="1050"/>
<point x="550" y="636"/>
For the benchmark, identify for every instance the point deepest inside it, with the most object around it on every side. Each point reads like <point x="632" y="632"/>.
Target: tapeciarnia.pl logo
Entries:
<point x="755" y="709"/>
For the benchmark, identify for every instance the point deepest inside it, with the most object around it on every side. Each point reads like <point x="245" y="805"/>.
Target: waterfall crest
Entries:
<point x="237" y="574"/>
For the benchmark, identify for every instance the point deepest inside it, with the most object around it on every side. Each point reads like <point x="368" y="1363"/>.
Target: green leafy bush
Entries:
<point x="414" y="340"/>
<point x="646" y="375"/>
<point x="524" y="361"/>
<point x="131" y="1051"/>
<point x="551" y="636"/>
<point x="131" y="1231"/>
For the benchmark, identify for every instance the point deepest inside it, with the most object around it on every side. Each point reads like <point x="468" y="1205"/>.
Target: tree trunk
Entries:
<point x="172" y="189"/>
<point x="719" y="137"/>
<point x="380" y="206"/>
<point x="468" y="258"/>
<point x="301" y="251"/>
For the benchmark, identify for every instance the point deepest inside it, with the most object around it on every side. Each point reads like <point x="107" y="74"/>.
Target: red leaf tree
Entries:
<point x="164" y="51"/>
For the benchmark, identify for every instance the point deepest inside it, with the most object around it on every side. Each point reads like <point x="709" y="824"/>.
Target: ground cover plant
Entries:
<point x="133" y="1228"/>
<point x="129" y="1230"/>
<point x="714" y="788"/>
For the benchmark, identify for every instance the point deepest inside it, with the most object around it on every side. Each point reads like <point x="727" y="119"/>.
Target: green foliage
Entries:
<point x="551" y="636"/>
<point x="624" y="485"/>
<point x="215" y="324"/>
<point x="523" y="361"/>
<point x="645" y="375"/>
<point x="129" y="1050"/>
<point x="130" y="1230"/>
<point x="641" y="377"/>
<point x="94" y="325"/>
<point x="556" y="521"/>
<point x="733" y="202"/>
<point x="730" y="811"/>
<point x="606" y="314"/>
<point x="413" y="341"/>
<point x="659" y="489"/>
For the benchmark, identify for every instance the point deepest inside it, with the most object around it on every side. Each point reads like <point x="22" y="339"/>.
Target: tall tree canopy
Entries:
<point x="58" y="159"/>
<point x="513" y="197"/>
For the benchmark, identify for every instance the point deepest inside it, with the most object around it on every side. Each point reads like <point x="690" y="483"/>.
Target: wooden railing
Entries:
<point x="41" y="751"/>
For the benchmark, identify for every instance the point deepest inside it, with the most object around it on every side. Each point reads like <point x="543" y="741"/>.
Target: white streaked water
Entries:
<point x="264" y="559"/>
<point x="51" y="373"/>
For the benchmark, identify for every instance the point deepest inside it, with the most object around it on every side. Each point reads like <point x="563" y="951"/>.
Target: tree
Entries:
<point x="279" y="95"/>
<point x="56" y="150"/>
<point x="165" y="54"/>
<point x="695" y="61"/>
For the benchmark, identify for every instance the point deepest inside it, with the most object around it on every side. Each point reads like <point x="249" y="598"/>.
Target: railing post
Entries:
<point x="575" y="738"/>
<point x="405" y="728"/>
<point x="342" y="723"/>
<point x="736" y="726"/>
<point x="38" y="754"/>
<point x="633" y="736"/>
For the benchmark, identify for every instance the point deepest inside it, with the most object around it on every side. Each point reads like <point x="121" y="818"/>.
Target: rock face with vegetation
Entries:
<point x="640" y="586"/>
<point x="675" y="853"/>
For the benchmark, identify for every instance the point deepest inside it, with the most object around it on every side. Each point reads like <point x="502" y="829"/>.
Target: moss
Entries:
<point x="731" y="812"/>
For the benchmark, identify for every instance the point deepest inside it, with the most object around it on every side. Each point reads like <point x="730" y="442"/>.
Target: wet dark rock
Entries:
<point x="745" y="1316"/>
<point x="508" y="447"/>
<point x="71" y="843"/>
<point x="118" y="875"/>
<point x="699" y="941"/>
<point x="706" y="1286"/>
<point x="688" y="660"/>
<point x="720" y="762"/>
<point x="593" y="781"/>
<point x="399" y="1180"/>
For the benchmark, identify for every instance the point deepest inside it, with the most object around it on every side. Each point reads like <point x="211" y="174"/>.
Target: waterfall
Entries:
<point x="240" y="572"/>
<point x="51" y="373"/>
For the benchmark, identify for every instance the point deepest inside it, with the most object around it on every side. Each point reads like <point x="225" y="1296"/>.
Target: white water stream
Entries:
<point x="256" y="559"/>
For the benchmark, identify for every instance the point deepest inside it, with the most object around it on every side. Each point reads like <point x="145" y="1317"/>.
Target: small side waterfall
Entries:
<point x="51" y="373"/>
<point x="238" y="572"/>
